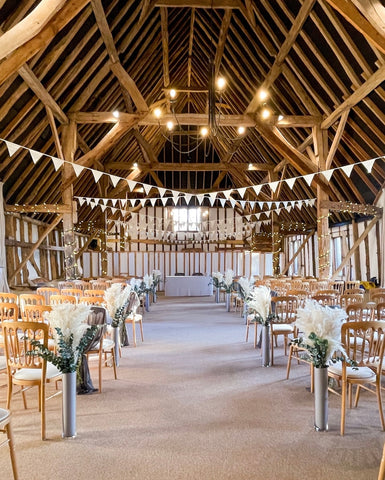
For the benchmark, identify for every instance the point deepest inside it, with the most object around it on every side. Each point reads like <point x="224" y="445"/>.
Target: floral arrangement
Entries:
<point x="136" y="285"/>
<point x="217" y="279"/>
<point x="148" y="282"/>
<point x="156" y="276"/>
<point x="259" y="302"/>
<point x="320" y="328"/>
<point x="245" y="286"/>
<point x="228" y="280"/>
<point x="116" y="299"/>
<point x="71" y="335"/>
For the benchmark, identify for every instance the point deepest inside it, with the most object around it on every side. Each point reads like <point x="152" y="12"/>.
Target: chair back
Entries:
<point x="325" y="299"/>
<point x="346" y="299"/>
<point x="378" y="298"/>
<point x="92" y="300"/>
<point x="17" y="342"/>
<point x="8" y="297"/>
<point x="59" y="299"/>
<point x="354" y="291"/>
<point x="97" y="316"/>
<point x="30" y="299"/>
<point x="364" y="343"/>
<point x="82" y="285"/>
<point x="133" y="303"/>
<point x="99" y="285"/>
<point x="285" y="307"/>
<point x="47" y="292"/>
<point x="9" y="311"/>
<point x="372" y="291"/>
<point x="338" y="285"/>
<point x="359" y="312"/>
<point x="35" y="313"/>
<point x="352" y="284"/>
<point x="65" y="284"/>
<point x="74" y="292"/>
<point x="380" y="311"/>
<point x="93" y="293"/>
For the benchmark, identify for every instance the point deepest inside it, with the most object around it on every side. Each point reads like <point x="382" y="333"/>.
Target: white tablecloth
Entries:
<point x="194" y="286"/>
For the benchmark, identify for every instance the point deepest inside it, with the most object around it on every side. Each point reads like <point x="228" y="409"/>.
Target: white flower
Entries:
<point x="323" y="321"/>
<point x="116" y="297"/>
<point x="148" y="281"/>
<point x="71" y="319"/>
<point x="228" y="278"/>
<point x="259" y="301"/>
<point x="156" y="273"/>
<point x="245" y="286"/>
<point x="217" y="279"/>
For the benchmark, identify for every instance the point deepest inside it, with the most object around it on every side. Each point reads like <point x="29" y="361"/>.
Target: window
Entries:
<point x="186" y="219"/>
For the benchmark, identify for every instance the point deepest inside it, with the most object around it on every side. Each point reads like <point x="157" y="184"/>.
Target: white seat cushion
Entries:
<point x="283" y="327"/>
<point x="361" y="373"/>
<point x="31" y="374"/>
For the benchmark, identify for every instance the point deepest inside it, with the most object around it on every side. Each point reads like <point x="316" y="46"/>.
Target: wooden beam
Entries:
<point x="36" y="246"/>
<point x="128" y="83"/>
<point x="165" y="48"/>
<point x="23" y="53"/>
<point x="356" y="244"/>
<point x="337" y="138"/>
<point x="234" y="4"/>
<point x="45" y="208"/>
<point x="195" y="119"/>
<point x="350" y="12"/>
<point x="374" y="11"/>
<point x="222" y="40"/>
<point x="191" y="167"/>
<point x="362" y="91"/>
<point x="104" y="29"/>
<point x="352" y="208"/>
<point x="29" y="27"/>
<point x="55" y="134"/>
<point x="288" y="265"/>
<point x="290" y="39"/>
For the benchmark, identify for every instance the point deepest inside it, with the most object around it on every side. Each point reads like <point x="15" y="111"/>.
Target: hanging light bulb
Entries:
<point x="172" y="93"/>
<point x="221" y="83"/>
<point x="263" y="94"/>
<point x="115" y="114"/>
<point x="265" y="114"/>
<point x="170" y="125"/>
<point x="241" y="130"/>
<point x="204" y="131"/>
<point x="157" y="112"/>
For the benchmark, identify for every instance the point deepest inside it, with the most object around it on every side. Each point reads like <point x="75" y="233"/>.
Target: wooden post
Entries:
<point x="320" y="145"/>
<point x="357" y="258"/>
<point x="276" y="241"/>
<point x="69" y="148"/>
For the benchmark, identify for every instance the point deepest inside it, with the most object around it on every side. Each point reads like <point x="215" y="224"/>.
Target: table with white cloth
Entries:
<point x="188" y="286"/>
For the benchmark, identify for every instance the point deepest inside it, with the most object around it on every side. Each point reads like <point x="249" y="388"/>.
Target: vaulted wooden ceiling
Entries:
<point x="322" y="63"/>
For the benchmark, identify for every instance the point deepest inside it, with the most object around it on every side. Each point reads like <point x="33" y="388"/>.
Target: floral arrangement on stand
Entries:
<point x="320" y="335"/>
<point x="156" y="277"/>
<point x="148" y="283"/>
<point x="245" y="286"/>
<point x="116" y="300"/>
<point x="228" y="280"/>
<point x="71" y="335"/>
<point x="217" y="278"/>
<point x="259" y="302"/>
<point x="136" y="285"/>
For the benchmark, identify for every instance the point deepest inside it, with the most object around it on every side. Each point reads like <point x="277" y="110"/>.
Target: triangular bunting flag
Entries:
<point x="113" y="210"/>
<point x="328" y="174"/>
<point x="273" y="186"/>
<point x="131" y="184"/>
<point x="81" y="201"/>
<point x="242" y="202"/>
<point x="77" y="169"/>
<point x="200" y="199"/>
<point x="312" y="202"/>
<point x="347" y="169"/>
<point x="164" y="201"/>
<point x="161" y="191"/>
<point x="252" y="204"/>
<point x="123" y="202"/>
<point x="233" y="202"/>
<point x="268" y="213"/>
<point x="242" y="191"/>
<point x="36" y="156"/>
<point x="104" y="200"/>
<point x="290" y="182"/>
<point x="227" y="193"/>
<point x="153" y="201"/>
<point x="114" y="200"/>
<point x="187" y="197"/>
<point x="368" y="164"/>
<point x="257" y="189"/>
<point x="92" y="205"/>
<point x="132" y="201"/>
<point x="57" y="163"/>
<point x="96" y="174"/>
<point x="103" y="207"/>
<point x="88" y="200"/>
<point x="223" y="201"/>
<point x="147" y="188"/>
<point x="289" y="208"/>
<point x="309" y="178"/>
<point x="143" y="201"/>
<point x="257" y="215"/>
<point x="212" y="200"/>
<point x="114" y="179"/>
<point x="12" y="148"/>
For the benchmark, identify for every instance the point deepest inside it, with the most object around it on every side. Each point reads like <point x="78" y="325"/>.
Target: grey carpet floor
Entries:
<point x="193" y="402"/>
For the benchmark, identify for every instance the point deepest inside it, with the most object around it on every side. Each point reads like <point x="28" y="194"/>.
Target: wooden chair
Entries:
<point x="65" y="284"/>
<point x="101" y="346"/>
<point x="285" y="307"/>
<point x="47" y="292"/>
<point x="378" y="298"/>
<point x="35" y="313"/>
<point x="359" y="312"/>
<point x="9" y="297"/>
<point x="372" y="291"/>
<point x="92" y="300"/>
<point x="364" y="343"/>
<point x="132" y="317"/>
<point x="380" y="311"/>
<point x="74" y="292"/>
<point x="354" y="291"/>
<point x="9" y="311"/>
<point x="248" y="323"/>
<point x="300" y="354"/>
<point x="381" y="473"/>
<point x="26" y="370"/>
<point x="328" y="300"/>
<point x="338" y="285"/>
<point x="352" y="284"/>
<point x="347" y="299"/>
<point x="301" y="296"/>
<point x="99" y="285"/>
<point x="58" y="299"/>
<point x="93" y="293"/>
<point x="5" y="427"/>
<point x="30" y="299"/>
<point x="82" y="285"/>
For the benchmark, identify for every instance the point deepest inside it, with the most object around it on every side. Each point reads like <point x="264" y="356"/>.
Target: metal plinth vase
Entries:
<point x="217" y="292"/>
<point x="154" y="296"/>
<point x="69" y="405"/>
<point x="321" y="399"/>
<point x="116" y="337"/>
<point x="228" y="302"/>
<point x="147" y="302"/>
<point x="244" y="313"/>
<point x="265" y="345"/>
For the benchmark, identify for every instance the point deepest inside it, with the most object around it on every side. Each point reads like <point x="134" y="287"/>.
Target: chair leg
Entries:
<point x="379" y="400"/>
<point x="100" y="371"/>
<point x="247" y="331"/>
<point x="141" y="330"/>
<point x="289" y="361"/>
<point x="9" y="393"/>
<point x="42" y="404"/>
<point x="113" y="353"/>
<point x="134" y="333"/>
<point x="12" y="450"/>
<point x="255" y="334"/>
<point x="311" y="378"/>
<point x="343" y="406"/>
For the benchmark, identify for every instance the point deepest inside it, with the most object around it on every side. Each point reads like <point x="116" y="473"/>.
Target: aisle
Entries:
<point x="193" y="402"/>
